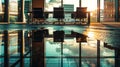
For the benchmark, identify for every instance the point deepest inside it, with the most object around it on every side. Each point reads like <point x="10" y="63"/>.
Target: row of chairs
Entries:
<point x="38" y="15"/>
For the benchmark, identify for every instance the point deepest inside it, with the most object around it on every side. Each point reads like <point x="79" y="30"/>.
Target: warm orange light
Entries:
<point x="90" y="4"/>
<point x="91" y="34"/>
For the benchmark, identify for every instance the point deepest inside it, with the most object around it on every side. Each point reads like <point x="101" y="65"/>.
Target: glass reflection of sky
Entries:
<point x="71" y="48"/>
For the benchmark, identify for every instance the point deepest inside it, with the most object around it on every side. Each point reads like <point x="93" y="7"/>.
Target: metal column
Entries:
<point x="80" y="3"/>
<point x="98" y="10"/>
<point x="21" y="11"/>
<point x="6" y="51"/>
<point x="117" y="57"/>
<point x="21" y="49"/>
<point x="37" y="57"/>
<point x="80" y="55"/>
<point x="6" y="14"/>
<point x="116" y="10"/>
<point x="88" y="18"/>
<point x="61" y="54"/>
<point x="98" y="53"/>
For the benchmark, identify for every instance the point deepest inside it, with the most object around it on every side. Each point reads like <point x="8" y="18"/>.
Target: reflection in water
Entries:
<point x="71" y="49"/>
<point x="90" y="34"/>
<point x="70" y="52"/>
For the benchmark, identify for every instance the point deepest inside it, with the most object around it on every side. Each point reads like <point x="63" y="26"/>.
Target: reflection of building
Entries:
<point x="54" y="1"/>
<point x="109" y="10"/>
<point x="28" y="8"/>
<point x="68" y="7"/>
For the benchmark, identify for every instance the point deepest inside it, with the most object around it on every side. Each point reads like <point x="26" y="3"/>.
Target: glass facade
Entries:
<point x="109" y="10"/>
<point x="1" y="10"/>
<point x="92" y="7"/>
<point x="13" y="10"/>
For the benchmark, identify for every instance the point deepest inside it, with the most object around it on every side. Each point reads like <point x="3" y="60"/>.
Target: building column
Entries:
<point x="62" y="3"/>
<point x="21" y="11"/>
<point x="98" y="53"/>
<point x="6" y="50"/>
<point x="80" y="3"/>
<point x="116" y="10"/>
<point x="117" y="58"/>
<point x="98" y="10"/>
<point x="21" y="47"/>
<point x="37" y="57"/>
<point x="6" y="11"/>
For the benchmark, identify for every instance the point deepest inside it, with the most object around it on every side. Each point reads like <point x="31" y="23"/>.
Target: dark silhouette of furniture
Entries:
<point x="58" y="13"/>
<point x="73" y="16"/>
<point x="81" y="14"/>
<point x="38" y="15"/>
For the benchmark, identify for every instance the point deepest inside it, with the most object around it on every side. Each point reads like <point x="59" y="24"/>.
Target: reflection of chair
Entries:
<point x="81" y="13"/>
<point x="73" y="15"/>
<point x="46" y="15"/>
<point x="58" y="13"/>
<point x="38" y="15"/>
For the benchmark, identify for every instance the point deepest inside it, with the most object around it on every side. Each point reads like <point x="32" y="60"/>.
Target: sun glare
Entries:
<point x="90" y="4"/>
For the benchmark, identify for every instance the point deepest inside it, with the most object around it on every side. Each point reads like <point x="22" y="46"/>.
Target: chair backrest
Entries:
<point x="58" y="12"/>
<point x="73" y="15"/>
<point x="38" y="13"/>
<point x="81" y="12"/>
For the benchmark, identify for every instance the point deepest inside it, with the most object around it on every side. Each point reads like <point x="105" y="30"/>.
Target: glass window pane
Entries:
<point x="13" y="47"/>
<point x="70" y="5"/>
<point x="1" y="44"/>
<point x="27" y="9"/>
<point x="89" y="48"/>
<point x="13" y="10"/>
<point x="107" y="52"/>
<point x="101" y="10"/>
<point x="52" y="48"/>
<point x="107" y="62"/>
<point x="70" y="62"/>
<point x="1" y="10"/>
<point x="1" y="49"/>
<point x="50" y="4"/>
<point x="89" y="62"/>
<point x="109" y="10"/>
<point x="53" y="62"/>
<point x="70" y="47"/>
<point x="92" y="7"/>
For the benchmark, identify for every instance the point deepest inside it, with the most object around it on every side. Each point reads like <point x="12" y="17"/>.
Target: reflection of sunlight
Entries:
<point x="66" y="51"/>
<point x="91" y="4"/>
<point x="91" y="34"/>
<point x="50" y="30"/>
